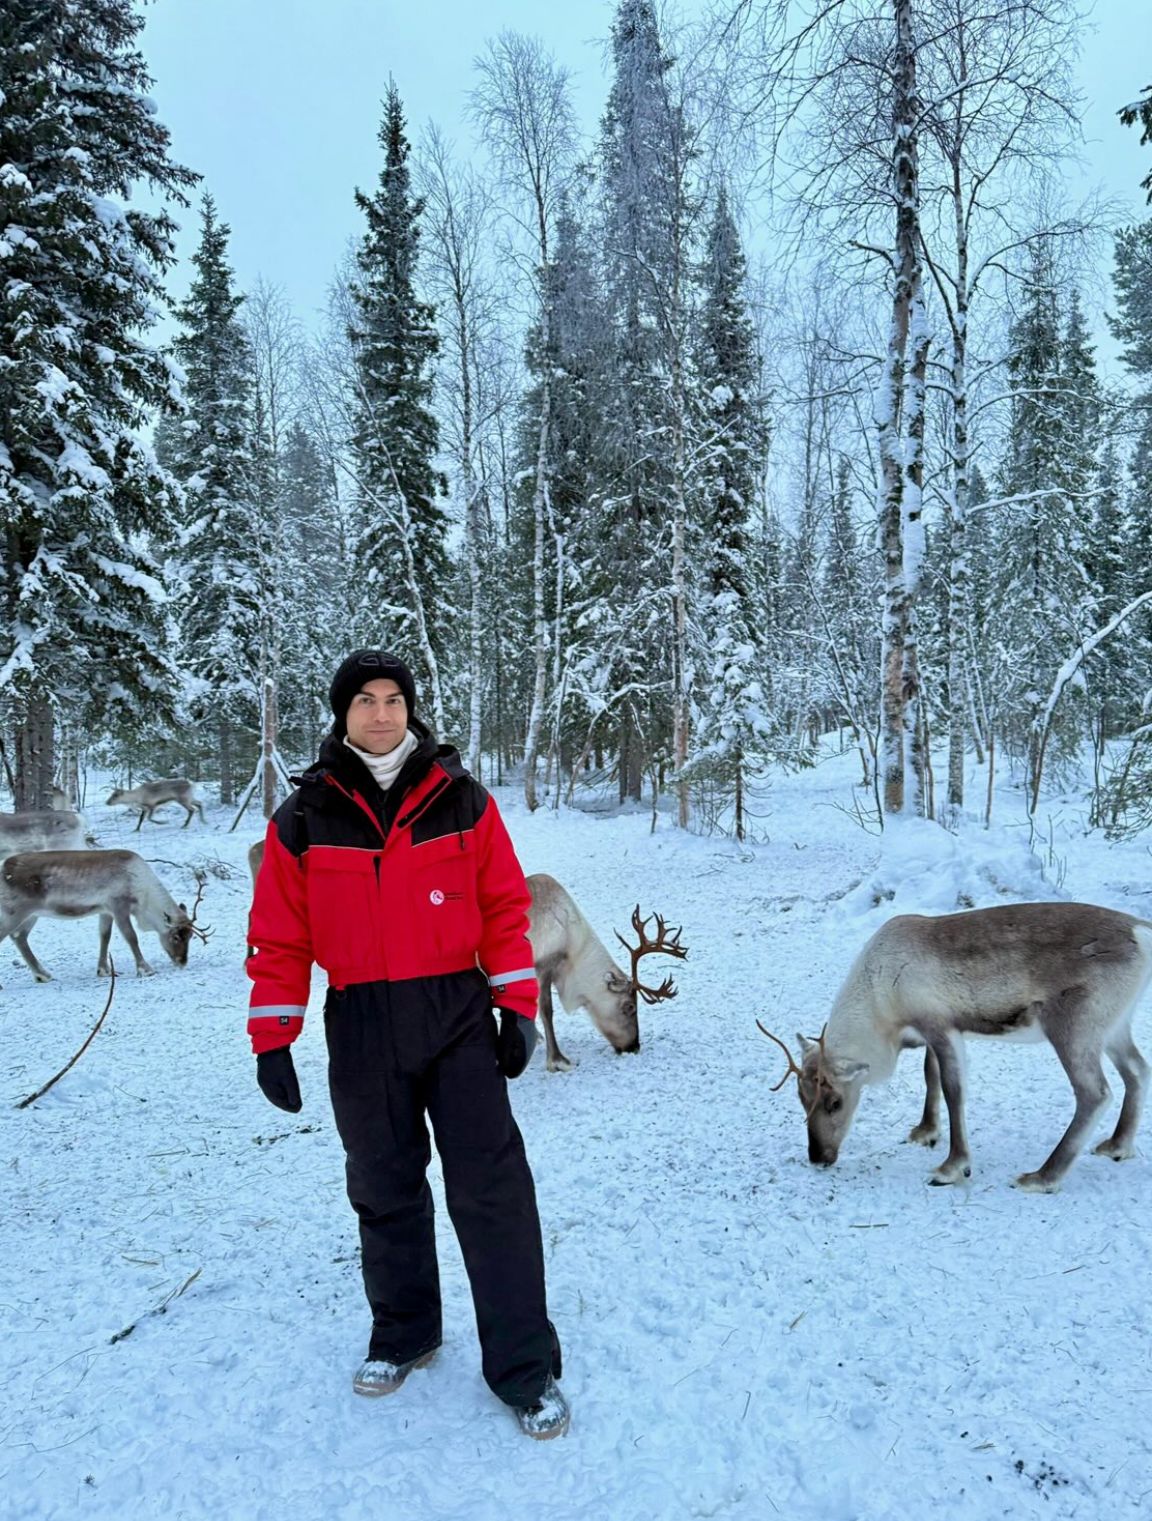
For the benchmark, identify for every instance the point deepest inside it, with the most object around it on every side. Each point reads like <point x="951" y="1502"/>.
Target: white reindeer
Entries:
<point x="149" y="796"/>
<point x="116" y="884"/>
<point x="40" y="829"/>
<point x="1071" y="973"/>
<point x="569" y="956"/>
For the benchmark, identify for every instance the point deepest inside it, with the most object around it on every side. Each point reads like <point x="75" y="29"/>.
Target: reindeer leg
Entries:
<point x="1132" y="1067"/>
<point x="19" y="933"/>
<point x="949" y="1049"/>
<point x="187" y="816"/>
<point x="1064" y="1022"/>
<point x="102" y="967"/>
<point x="555" y="1061"/>
<point x="139" y="821"/>
<point x="927" y="1132"/>
<point x="124" y="924"/>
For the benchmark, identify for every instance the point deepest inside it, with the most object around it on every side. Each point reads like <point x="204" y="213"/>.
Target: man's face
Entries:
<point x="378" y="717"/>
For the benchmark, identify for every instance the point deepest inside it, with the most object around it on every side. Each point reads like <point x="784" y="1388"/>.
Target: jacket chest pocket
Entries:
<point x="444" y="888"/>
<point x="343" y="903"/>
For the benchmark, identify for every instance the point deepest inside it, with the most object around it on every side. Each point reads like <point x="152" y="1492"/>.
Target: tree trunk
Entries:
<point x="227" y="777"/>
<point x="35" y="759"/>
<point x="539" y="625"/>
<point x="271" y="725"/>
<point x="901" y="529"/>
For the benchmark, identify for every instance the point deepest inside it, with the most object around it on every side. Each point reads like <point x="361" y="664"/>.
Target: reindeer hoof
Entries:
<point x="42" y="976"/>
<point x="144" y="970"/>
<point x="923" y="1135"/>
<point x="1036" y="1183"/>
<point x="102" y="971"/>
<point x="561" y="1064"/>
<point x="949" y="1173"/>
<point x="1114" y="1152"/>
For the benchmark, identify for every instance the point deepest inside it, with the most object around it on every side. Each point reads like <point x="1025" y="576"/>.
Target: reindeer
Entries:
<point x="149" y="796"/>
<point x="255" y="859"/>
<point x="40" y="829"/>
<point x="570" y="956"/>
<point x="1071" y="973"/>
<point x="116" y="884"/>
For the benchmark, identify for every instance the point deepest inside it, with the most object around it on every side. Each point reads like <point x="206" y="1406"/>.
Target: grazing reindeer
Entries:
<point x="116" y="884"/>
<point x="1068" y="972"/>
<point x="569" y="955"/>
<point x="255" y="859"/>
<point x="149" y="796"/>
<point x="40" y="829"/>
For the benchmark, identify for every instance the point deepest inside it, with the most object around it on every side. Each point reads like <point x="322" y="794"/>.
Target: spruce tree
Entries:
<point x="401" y="520"/>
<point x="223" y="557"/>
<point x="732" y="721"/>
<point x="82" y="499"/>
<point x="1043" y="603"/>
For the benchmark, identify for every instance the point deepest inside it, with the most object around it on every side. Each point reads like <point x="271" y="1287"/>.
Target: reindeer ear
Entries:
<point x="182" y="907"/>
<point x="167" y="918"/>
<point x="848" y="1072"/>
<point x="807" y="1045"/>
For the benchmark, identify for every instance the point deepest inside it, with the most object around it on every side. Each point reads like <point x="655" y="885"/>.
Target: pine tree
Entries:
<point x="316" y="580"/>
<point x="641" y="221"/>
<point x="1133" y="328"/>
<point x="223" y="556"/>
<point x="81" y="498"/>
<point x="733" y="724"/>
<point x="1047" y="473"/>
<point x="402" y="524"/>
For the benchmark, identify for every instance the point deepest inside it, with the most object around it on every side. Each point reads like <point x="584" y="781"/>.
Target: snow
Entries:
<point x="745" y="1335"/>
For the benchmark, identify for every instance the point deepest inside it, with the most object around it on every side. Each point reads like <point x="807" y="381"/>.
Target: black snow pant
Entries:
<point x="398" y="1051"/>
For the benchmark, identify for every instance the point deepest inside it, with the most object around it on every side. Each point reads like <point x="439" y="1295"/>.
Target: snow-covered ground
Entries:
<point x="745" y="1335"/>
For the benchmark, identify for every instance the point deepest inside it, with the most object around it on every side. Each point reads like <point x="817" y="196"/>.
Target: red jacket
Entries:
<point x="428" y="885"/>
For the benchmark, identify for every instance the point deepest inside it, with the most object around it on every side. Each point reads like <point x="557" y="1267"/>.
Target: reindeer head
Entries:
<point x="829" y="1094"/>
<point x="621" y="1027"/>
<point x="115" y="796"/>
<point x="176" y="936"/>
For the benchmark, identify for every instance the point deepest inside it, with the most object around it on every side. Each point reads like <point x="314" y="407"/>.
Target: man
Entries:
<point x="391" y="868"/>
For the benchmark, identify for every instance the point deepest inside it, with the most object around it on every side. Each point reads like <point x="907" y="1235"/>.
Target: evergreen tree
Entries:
<point x="1043" y="602"/>
<point x="642" y="220"/>
<point x="317" y="602"/>
<point x="1133" y="328"/>
<point x="401" y="521"/>
<point x="223" y="557"/>
<point x="81" y="498"/>
<point x="732" y="719"/>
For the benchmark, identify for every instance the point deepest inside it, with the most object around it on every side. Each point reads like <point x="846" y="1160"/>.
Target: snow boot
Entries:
<point x="379" y="1376"/>
<point x="548" y="1417"/>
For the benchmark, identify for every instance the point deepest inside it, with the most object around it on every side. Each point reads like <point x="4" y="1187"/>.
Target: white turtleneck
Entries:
<point x="386" y="768"/>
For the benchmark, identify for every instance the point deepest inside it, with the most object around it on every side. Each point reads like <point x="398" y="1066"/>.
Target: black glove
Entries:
<point x="515" y="1042"/>
<point x="277" y="1078"/>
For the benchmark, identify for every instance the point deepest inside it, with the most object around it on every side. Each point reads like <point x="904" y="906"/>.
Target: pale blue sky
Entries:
<point x="277" y="103"/>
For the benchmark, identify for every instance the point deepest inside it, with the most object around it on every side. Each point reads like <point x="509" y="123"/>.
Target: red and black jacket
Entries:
<point x="420" y="881"/>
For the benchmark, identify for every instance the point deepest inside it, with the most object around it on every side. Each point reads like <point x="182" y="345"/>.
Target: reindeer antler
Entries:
<point x="201" y="931"/>
<point x="667" y="943"/>
<point x="793" y="1069"/>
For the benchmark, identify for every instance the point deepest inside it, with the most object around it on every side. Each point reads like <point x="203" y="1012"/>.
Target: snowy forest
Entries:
<point x="770" y="412"/>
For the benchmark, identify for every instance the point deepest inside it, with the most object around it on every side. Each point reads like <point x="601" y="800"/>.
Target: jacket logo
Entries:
<point x="436" y="896"/>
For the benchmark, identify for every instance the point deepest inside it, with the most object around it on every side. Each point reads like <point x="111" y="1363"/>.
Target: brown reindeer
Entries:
<point x="569" y="956"/>
<point x="116" y="884"/>
<point x="255" y="859"/>
<point x="149" y="796"/>
<point x="40" y="829"/>
<point x="1070" y="973"/>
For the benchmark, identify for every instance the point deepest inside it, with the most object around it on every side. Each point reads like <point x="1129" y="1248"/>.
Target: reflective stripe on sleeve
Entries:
<point x="276" y="1012"/>
<point x="502" y="979"/>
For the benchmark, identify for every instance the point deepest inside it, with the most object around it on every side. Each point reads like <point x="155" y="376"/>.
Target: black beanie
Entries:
<point x="361" y="667"/>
